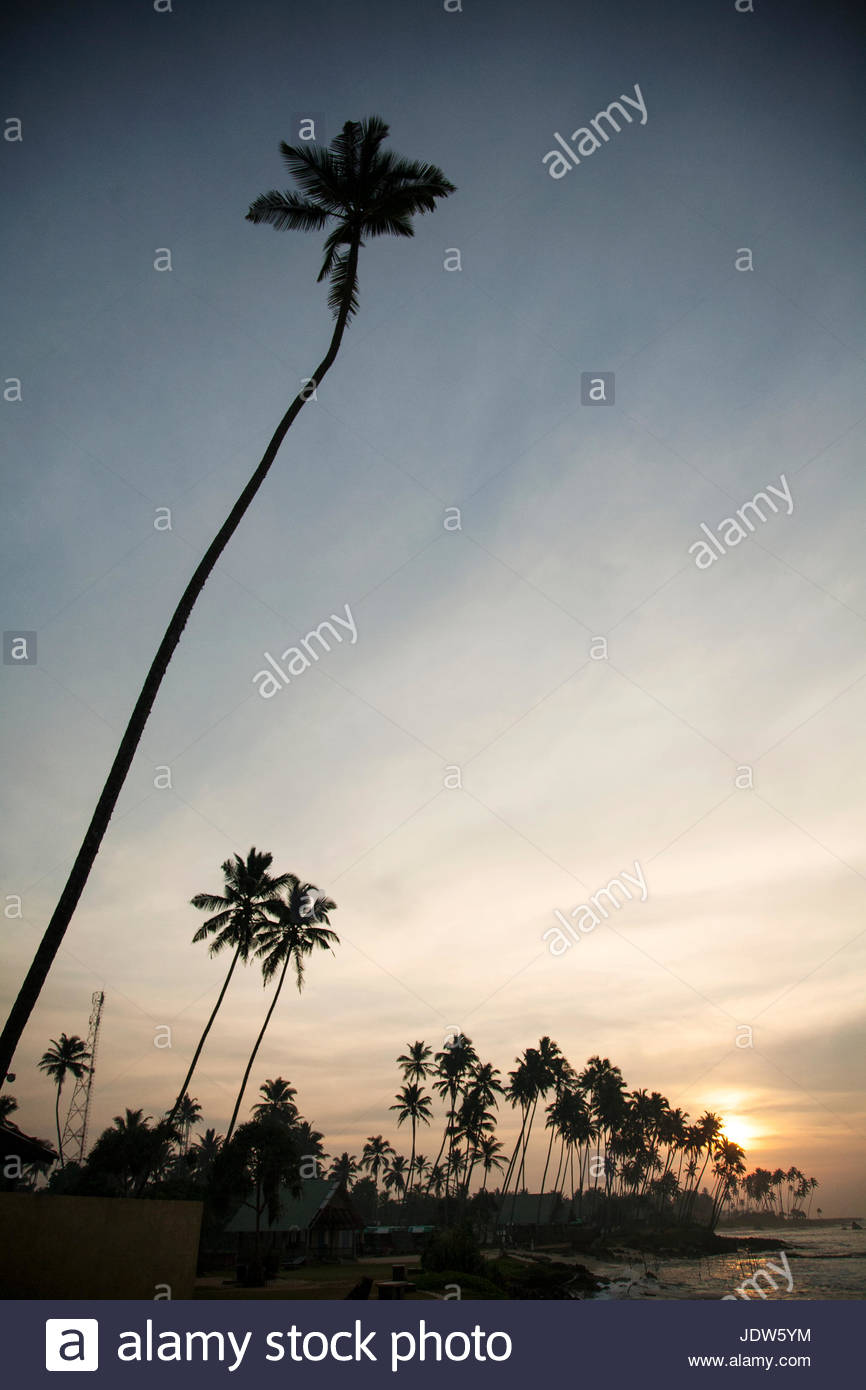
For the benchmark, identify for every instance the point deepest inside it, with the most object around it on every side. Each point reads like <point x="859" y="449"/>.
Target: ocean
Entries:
<point x="824" y="1262"/>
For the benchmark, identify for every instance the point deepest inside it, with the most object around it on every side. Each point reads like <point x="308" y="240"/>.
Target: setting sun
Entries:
<point x="740" y="1131"/>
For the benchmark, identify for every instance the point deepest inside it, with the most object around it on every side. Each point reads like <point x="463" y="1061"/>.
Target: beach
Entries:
<point x="825" y="1263"/>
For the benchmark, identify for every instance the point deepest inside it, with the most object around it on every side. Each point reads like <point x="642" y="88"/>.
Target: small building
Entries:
<point x="396" y="1240"/>
<point x="530" y="1209"/>
<point x="321" y="1223"/>
<point x="525" y="1218"/>
<point x="17" y="1150"/>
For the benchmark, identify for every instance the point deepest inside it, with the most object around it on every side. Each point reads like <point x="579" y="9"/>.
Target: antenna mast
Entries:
<point x="75" y="1129"/>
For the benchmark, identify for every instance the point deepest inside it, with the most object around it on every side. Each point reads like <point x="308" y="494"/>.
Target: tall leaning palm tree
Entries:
<point x="364" y="191"/>
<point x="293" y="931"/>
<point x="238" y="913"/>
<point x="65" y="1057"/>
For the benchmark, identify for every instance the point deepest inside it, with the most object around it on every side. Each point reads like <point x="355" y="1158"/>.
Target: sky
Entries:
<point x="546" y="688"/>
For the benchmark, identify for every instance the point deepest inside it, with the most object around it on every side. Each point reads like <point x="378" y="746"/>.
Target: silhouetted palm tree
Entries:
<point x="729" y="1165"/>
<point x="261" y="1160"/>
<point x="185" y="1116"/>
<point x="453" y="1063"/>
<point x="560" y="1076"/>
<point x="278" y="1098"/>
<point x="520" y="1092"/>
<point x="475" y="1117"/>
<point x="376" y="1157"/>
<point x="490" y="1151"/>
<point x="309" y="1142"/>
<point x="343" y="1169"/>
<point x="366" y="192"/>
<point x="205" y="1153"/>
<point x="238" y="913"/>
<point x="605" y="1085"/>
<point x="415" y="1062"/>
<point x="65" y="1057"/>
<point x="413" y="1104"/>
<point x="709" y="1128"/>
<point x="292" y="933"/>
<point x="543" y="1063"/>
<point x="132" y="1150"/>
<point x="8" y="1106"/>
<point x="436" y="1180"/>
<point x="396" y="1175"/>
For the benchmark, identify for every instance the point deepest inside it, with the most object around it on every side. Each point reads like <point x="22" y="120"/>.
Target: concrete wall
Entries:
<point x="96" y="1247"/>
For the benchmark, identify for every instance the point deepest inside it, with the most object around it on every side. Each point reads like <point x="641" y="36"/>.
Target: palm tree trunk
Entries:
<point x="192" y="1066"/>
<point x="234" y="1117"/>
<point x="544" y="1178"/>
<point x="440" y="1153"/>
<point x="57" y="1122"/>
<point x="451" y="1138"/>
<point x="411" y="1163"/>
<point x="75" y="884"/>
<point x="521" y="1170"/>
<point x="513" y="1159"/>
<point x="697" y="1187"/>
<point x="469" y="1167"/>
<point x="559" y="1166"/>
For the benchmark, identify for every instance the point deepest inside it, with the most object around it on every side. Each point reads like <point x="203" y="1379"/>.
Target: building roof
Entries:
<point x="299" y="1213"/>
<point x="524" y="1209"/>
<point x="29" y="1150"/>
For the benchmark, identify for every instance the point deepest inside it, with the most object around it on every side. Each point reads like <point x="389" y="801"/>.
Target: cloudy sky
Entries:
<point x="714" y="735"/>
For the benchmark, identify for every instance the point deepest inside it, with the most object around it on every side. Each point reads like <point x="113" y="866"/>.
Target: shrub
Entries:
<point x="455" y="1248"/>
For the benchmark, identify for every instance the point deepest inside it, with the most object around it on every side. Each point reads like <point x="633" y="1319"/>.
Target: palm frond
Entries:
<point x="345" y="148"/>
<point x="344" y="286"/>
<point x="316" y="171"/>
<point x="288" y="212"/>
<point x="209" y="902"/>
<point x="339" y="236"/>
<point x="373" y="131"/>
<point x="416" y="172"/>
<point x="387" y="223"/>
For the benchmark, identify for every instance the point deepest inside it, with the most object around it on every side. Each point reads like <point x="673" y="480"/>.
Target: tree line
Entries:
<point x="604" y="1149"/>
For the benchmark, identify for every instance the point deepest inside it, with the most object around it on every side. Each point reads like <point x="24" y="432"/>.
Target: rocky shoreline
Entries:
<point x="691" y="1242"/>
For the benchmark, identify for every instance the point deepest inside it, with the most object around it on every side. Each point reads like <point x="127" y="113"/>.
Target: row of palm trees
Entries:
<point x="603" y="1142"/>
<point x="135" y="1151"/>
<point x="778" y="1192"/>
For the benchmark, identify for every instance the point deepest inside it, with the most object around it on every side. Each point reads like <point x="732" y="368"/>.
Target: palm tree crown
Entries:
<point x="278" y="1098"/>
<point x="294" y="929"/>
<point x="292" y="932"/>
<point x="364" y="190"/>
<point x="240" y="910"/>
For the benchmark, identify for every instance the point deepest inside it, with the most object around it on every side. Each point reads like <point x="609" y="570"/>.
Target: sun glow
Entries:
<point x="740" y="1131"/>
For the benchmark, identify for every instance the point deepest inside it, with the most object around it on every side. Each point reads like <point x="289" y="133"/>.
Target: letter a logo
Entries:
<point x="71" y="1344"/>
